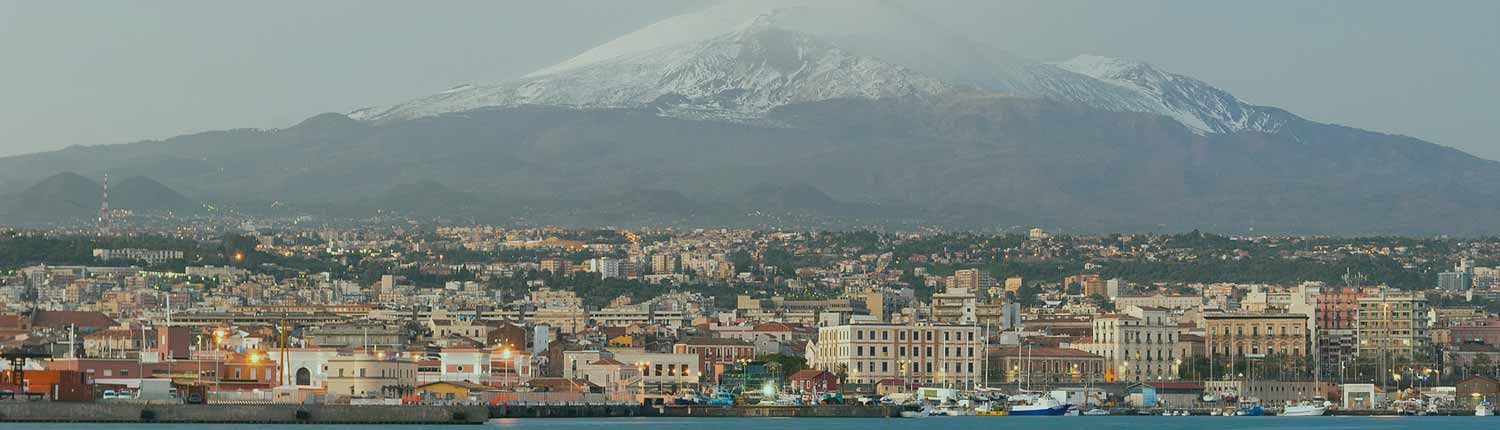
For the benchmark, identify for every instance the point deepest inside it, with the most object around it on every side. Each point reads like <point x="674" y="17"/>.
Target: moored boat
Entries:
<point x="1305" y="409"/>
<point x="1041" y="406"/>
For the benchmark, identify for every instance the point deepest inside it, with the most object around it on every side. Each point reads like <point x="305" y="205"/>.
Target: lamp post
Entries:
<point x="506" y="356"/>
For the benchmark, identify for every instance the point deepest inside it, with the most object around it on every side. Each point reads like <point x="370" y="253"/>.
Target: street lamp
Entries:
<point x="506" y="355"/>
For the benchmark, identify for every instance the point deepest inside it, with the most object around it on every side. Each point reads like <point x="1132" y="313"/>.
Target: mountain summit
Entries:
<point x="739" y="60"/>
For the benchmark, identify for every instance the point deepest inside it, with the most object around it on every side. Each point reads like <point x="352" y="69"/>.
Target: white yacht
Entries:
<point x="1305" y="409"/>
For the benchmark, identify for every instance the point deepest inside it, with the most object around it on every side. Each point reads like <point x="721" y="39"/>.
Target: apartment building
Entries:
<point x="1393" y="324"/>
<point x="1141" y="344"/>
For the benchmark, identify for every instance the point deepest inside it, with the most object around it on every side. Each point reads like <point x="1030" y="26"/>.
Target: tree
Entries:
<point x="1482" y="365"/>
<point x="1103" y="303"/>
<point x="1196" y="368"/>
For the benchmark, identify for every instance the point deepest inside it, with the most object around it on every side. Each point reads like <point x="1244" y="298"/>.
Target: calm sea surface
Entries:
<point x="935" y="423"/>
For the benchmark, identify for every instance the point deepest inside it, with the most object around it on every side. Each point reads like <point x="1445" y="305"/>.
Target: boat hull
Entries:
<point x="1058" y="410"/>
<point x="1304" y="412"/>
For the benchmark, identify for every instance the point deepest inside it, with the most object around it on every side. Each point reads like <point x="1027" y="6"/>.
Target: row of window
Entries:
<point x="885" y="366"/>
<point x="885" y="351"/>
<point x="915" y="335"/>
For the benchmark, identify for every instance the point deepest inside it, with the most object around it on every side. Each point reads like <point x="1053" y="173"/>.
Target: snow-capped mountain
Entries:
<point x="739" y="60"/>
<point x="1187" y="100"/>
<point x="738" y="75"/>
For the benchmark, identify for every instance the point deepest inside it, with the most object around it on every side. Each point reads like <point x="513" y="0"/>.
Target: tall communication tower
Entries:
<point x="104" y="217"/>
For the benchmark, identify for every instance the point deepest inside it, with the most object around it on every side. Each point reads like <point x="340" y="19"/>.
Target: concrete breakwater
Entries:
<point x="280" y="414"/>
<point x="372" y="414"/>
<point x="742" y="411"/>
<point x="571" y="411"/>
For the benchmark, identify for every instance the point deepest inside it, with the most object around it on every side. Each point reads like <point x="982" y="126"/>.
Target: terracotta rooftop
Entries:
<point x="84" y="320"/>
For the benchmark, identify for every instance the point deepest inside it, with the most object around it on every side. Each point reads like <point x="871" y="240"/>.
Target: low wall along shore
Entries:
<point x="379" y="414"/>
<point x="312" y="414"/>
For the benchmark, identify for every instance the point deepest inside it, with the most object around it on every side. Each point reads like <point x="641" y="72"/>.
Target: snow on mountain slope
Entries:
<point x="1189" y="101"/>
<point x="739" y="59"/>
<point x="739" y="75"/>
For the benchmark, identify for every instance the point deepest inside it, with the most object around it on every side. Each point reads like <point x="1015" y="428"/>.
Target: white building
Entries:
<point x="1141" y="344"/>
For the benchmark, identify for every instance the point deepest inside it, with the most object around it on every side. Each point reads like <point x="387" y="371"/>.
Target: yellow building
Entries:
<point x="452" y="391"/>
<point x="1256" y="334"/>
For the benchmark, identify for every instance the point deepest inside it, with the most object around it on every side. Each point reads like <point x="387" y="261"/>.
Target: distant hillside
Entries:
<point x="63" y="196"/>
<point x="70" y="197"/>
<point x="139" y="193"/>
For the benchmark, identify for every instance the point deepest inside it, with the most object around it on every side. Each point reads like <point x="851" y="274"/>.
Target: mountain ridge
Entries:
<point x="773" y="121"/>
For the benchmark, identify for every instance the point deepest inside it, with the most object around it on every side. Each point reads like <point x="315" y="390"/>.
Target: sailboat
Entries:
<point x="1036" y="404"/>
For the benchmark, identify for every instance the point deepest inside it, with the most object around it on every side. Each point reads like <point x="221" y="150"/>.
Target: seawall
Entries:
<point x="819" y="411"/>
<point x="308" y="414"/>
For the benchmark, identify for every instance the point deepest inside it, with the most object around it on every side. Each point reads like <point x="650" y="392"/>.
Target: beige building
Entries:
<point x="1159" y="301"/>
<point x="1043" y="365"/>
<point x="971" y="280"/>
<point x="957" y="305"/>
<point x="1392" y="323"/>
<point x="550" y="298"/>
<point x="565" y="320"/>
<point x="1013" y="284"/>
<point x="656" y="372"/>
<point x="663" y="263"/>
<point x="372" y="376"/>
<point x="1230" y="335"/>
<point x="1141" y="344"/>
<point x="930" y="354"/>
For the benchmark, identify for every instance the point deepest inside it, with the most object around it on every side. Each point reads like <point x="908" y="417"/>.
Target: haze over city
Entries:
<point x="842" y="214"/>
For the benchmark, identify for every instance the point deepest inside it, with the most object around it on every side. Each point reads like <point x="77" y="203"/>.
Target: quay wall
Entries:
<point x="571" y="411"/>
<point x="819" y="411"/>
<point x="176" y="413"/>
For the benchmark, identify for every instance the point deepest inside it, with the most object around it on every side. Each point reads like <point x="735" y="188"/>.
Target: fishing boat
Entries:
<point x="1484" y="409"/>
<point x="1039" y="406"/>
<point x="919" y="413"/>
<point x="1095" y="412"/>
<point x="1305" y="409"/>
<point x="1251" y="411"/>
<point x="991" y="409"/>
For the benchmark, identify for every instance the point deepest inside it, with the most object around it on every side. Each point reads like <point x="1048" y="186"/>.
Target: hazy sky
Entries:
<point x="99" y="72"/>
